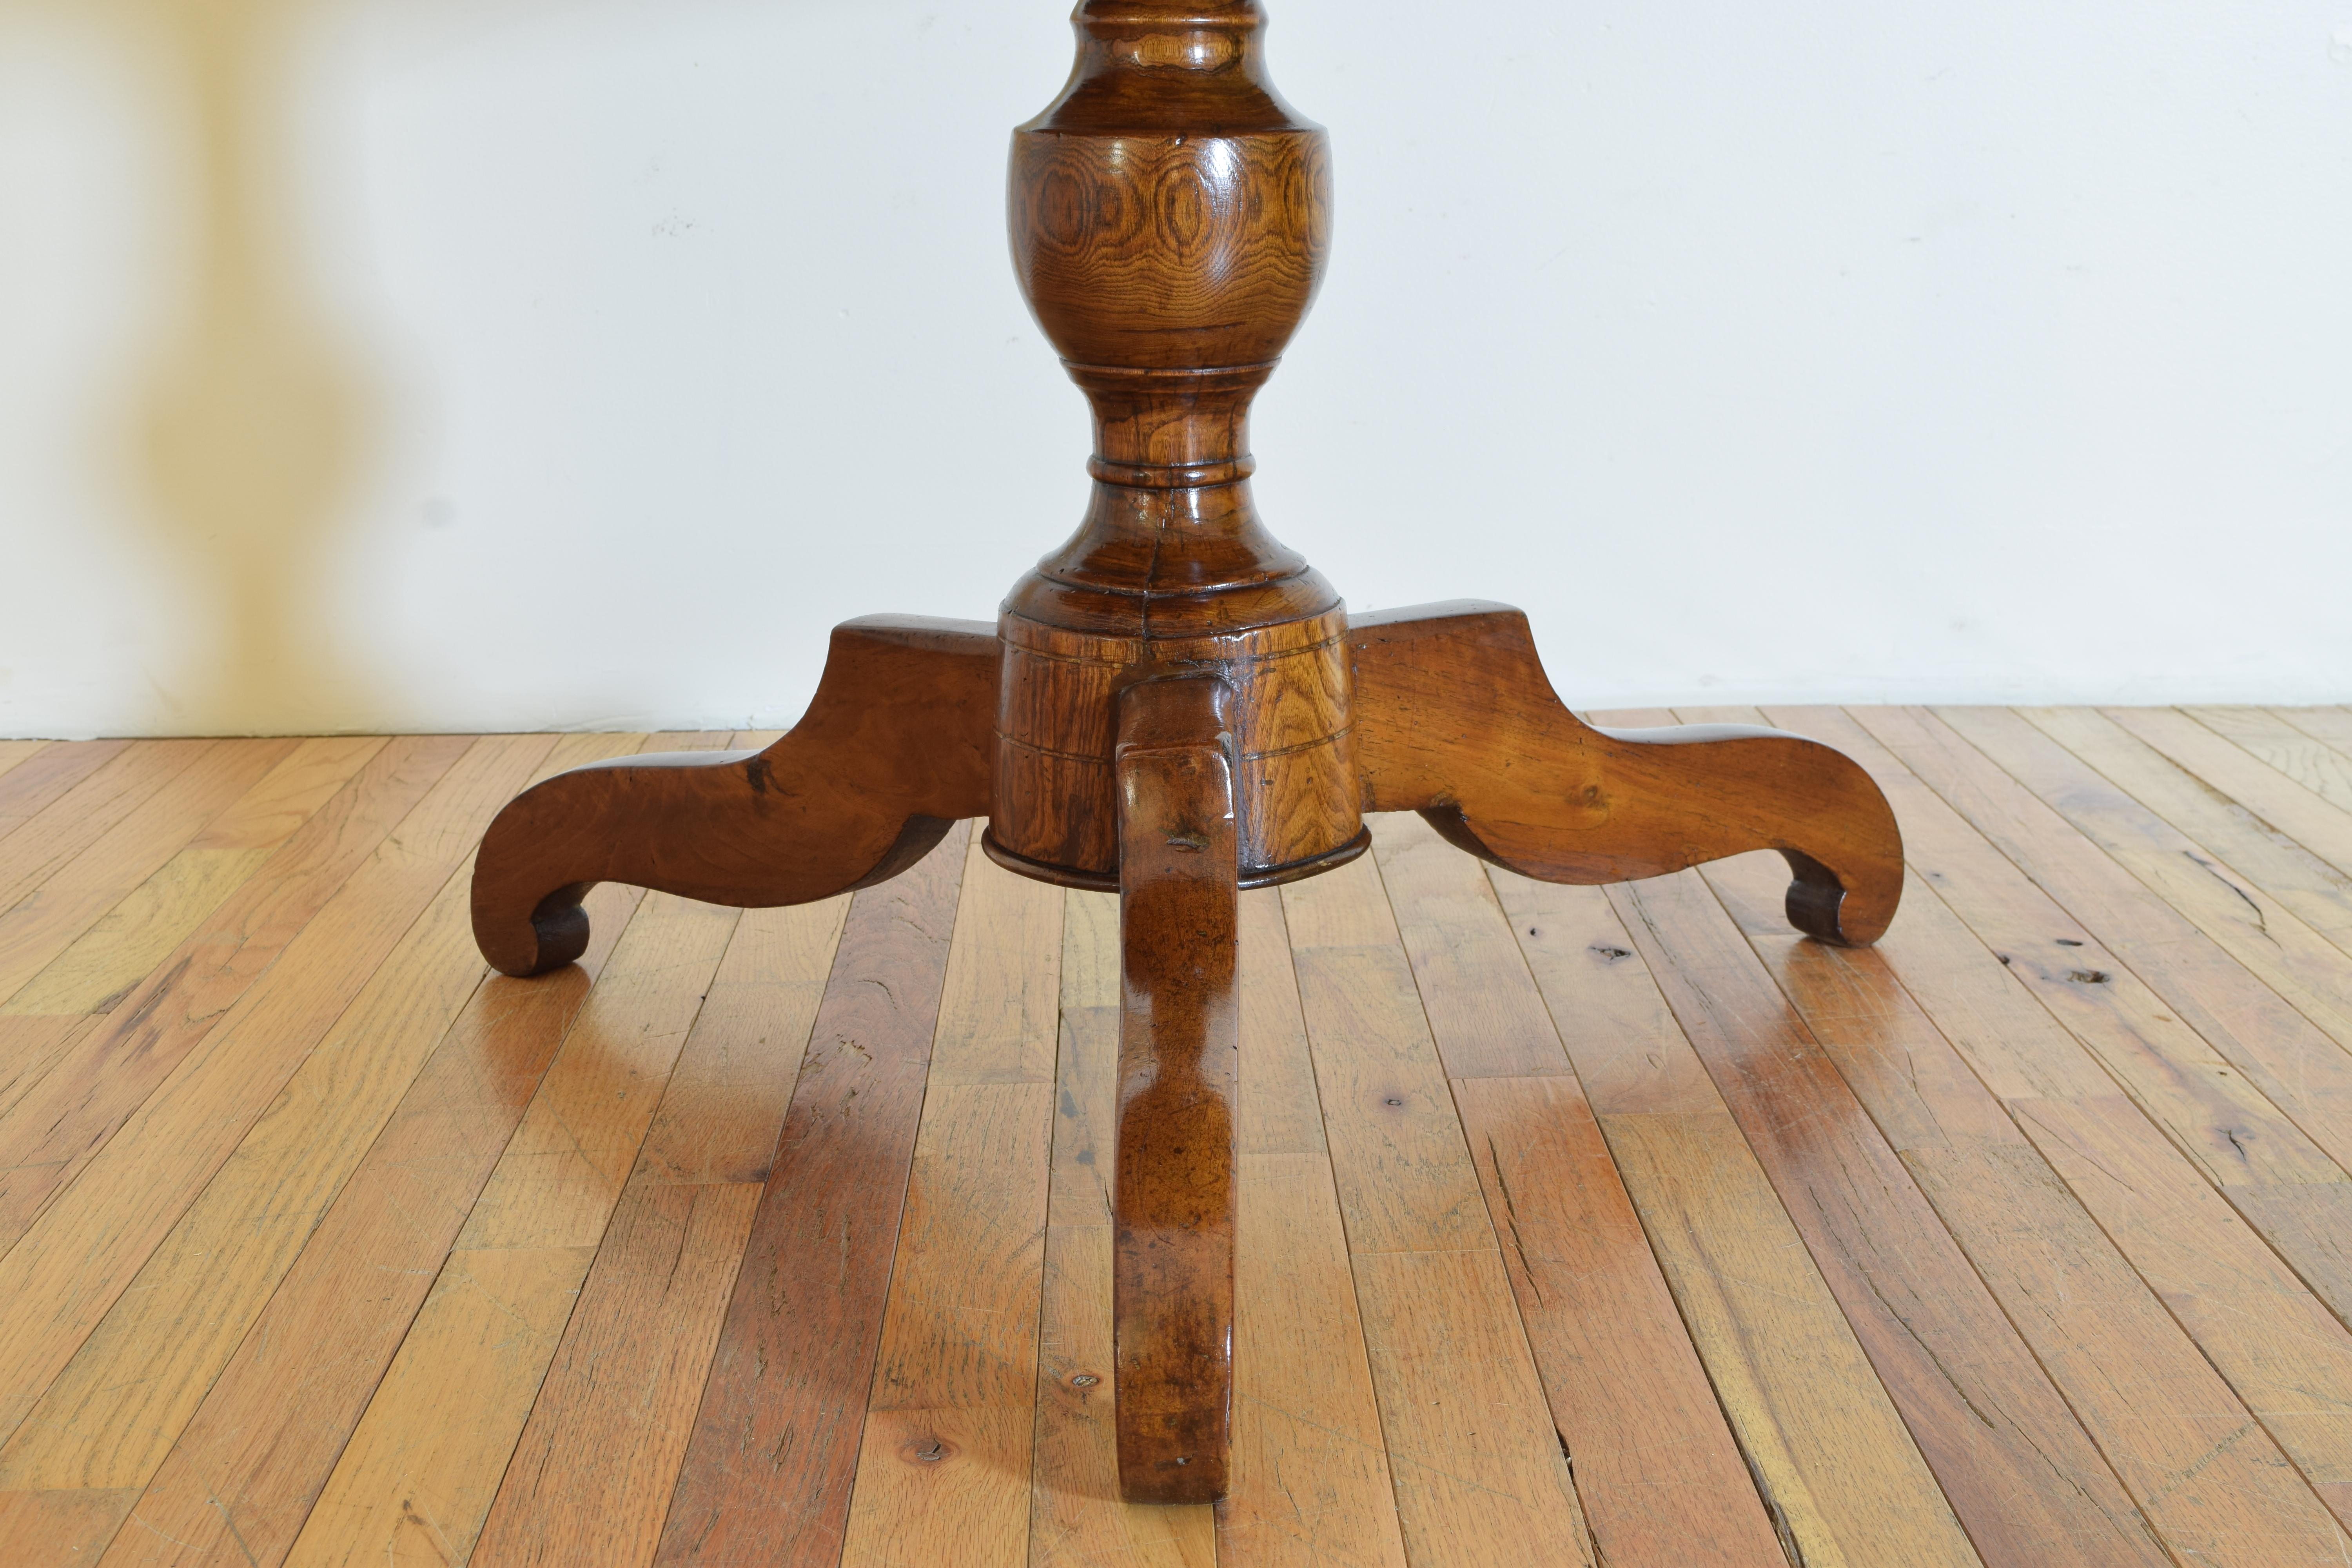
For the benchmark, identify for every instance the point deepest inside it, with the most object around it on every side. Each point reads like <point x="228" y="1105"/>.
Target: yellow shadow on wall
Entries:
<point x="244" y="431"/>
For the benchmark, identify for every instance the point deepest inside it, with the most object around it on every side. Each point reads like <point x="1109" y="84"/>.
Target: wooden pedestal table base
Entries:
<point x="1173" y="705"/>
<point x="1179" y="1071"/>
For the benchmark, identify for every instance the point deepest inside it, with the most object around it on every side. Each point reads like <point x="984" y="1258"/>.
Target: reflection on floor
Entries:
<point x="1617" y="1227"/>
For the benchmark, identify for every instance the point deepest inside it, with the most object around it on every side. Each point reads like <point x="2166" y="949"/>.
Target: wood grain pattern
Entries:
<point x="1311" y="1483"/>
<point x="75" y="1260"/>
<point x="69" y="900"/>
<point x="2295" y="1066"/>
<point x="1485" y="1014"/>
<point x="1479" y="1470"/>
<point x="13" y="752"/>
<point x="154" y="1354"/>
<point x="53" y="1133"/>
<point x="1405" y="1180"/>
<point x="2237" y="1138"/>
<point x="589" y="1477"/>
<point x="768" y="1470"/>
<point x="2319" y="894"/>
<point x="1656" y="1467"/>
<point x="1457" y="720"/>
<point x="2158" y="1236"/>
<point x="2275" y="1180"/>
<point x="942" y="1471"/>
<point x="136" y="934"/>
<point x="893" y="750"/>
<point x="1172" y="1194"/>
<point x="2019" y="1472"/>
<point x="2071" y="1293"/>
<point x="1481" y="1476"/>
<point x="58" y="1527"/>
<point x="119" y="1403"/>
<point x="2332" y="726"/>
<point x="1656" y="1470"/>
<point x="242" y="1474"/>
<point x="416" y="1475"/>
<point x="1280" y="1114"/>
<point x="70" y="820"/>
<point x="593" y="1471"/>
<point x="111" y="1414"/>
<point x="1075" y="1512"/>
<point x="565" y="1166"/>
<point x="1170" y="222"/>
<point x="2307" y="760"/>
<point x="43" y="776"/>
<point x="523" y="1255"/>
<point x="2279" y="1350"/>
<point x="2190" y="879"/>
<point x="2256" y="788"/>
<point x="1784" y="1363"/>
<point x="29" y="1047"/>
<point x="1840" y="1479"/>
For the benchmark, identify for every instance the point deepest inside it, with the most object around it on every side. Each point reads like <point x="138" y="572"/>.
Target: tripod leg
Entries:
<point x="1179" y="1032"/>
<point x="894" y="749"/>
<point x="1455" y="719"/>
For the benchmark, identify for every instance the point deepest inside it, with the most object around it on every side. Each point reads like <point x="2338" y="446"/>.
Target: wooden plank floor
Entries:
<point x="1613" y="1226"/>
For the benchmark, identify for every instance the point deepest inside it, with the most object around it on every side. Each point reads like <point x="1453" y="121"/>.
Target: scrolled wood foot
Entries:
<point x="1173" y="1293"/>
<point x="894" y="749"/>
<point x="1454" y="719"/>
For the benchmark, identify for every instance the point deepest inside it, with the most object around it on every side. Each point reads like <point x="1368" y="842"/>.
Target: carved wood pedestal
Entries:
<point x="1173" y="705"/>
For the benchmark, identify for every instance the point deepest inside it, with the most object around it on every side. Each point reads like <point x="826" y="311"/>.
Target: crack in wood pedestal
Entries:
<point x="1172" y="704"/>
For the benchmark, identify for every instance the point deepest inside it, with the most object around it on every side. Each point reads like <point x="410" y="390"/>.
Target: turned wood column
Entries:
<point x="1171" y="216"/>
<point x="1171" y="705"/>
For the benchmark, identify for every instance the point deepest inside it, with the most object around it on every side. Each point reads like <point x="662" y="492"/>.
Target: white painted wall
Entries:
<point x="1817" y="351"/>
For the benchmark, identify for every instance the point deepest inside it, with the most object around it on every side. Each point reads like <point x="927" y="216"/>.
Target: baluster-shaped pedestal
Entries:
<point x="1173" y="705"/>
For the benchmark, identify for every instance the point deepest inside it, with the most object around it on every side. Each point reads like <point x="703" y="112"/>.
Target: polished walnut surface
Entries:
<point x="1173" y="705"/>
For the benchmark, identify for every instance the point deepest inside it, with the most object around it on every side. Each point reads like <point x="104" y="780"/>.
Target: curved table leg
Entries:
<point x="1172" y="1295"/>
<point x="894" y="749"/>
<point x="1455" y="719"/>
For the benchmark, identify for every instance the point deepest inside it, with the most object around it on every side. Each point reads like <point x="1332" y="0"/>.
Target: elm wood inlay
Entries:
<point x="1170" y="221"/>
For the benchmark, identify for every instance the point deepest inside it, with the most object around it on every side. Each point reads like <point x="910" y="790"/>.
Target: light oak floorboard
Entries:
<point x="2277" y="802"/>
<point x="108" y="959"/>
<point x="71" y="899"/>
<point x="1479" y="1470"/>
<point x="2240" y="1013"/>
<point x="2302" y="756"/>
<point x="943" y="1469"/>
<point x="592" y="1474"/>
<point x="76" y="1259"/>
<point x="242" y="1476"/>
<point x="42" y="777"/>
<point x="785" y="1235"/>
<point x="15" y="751"/>
<point x="1656" y="1468"/>
<point x="1311" y="1483"/>
<point x="485" y="1336"/>
<point x="50" y="838"/>
<point x="67" y="1119"/>
<point x="2281" y="1181"/>
<point x="767" y="1471"/>
<point x="2319" y="894"/>
<point x="1840" y="1478"/>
